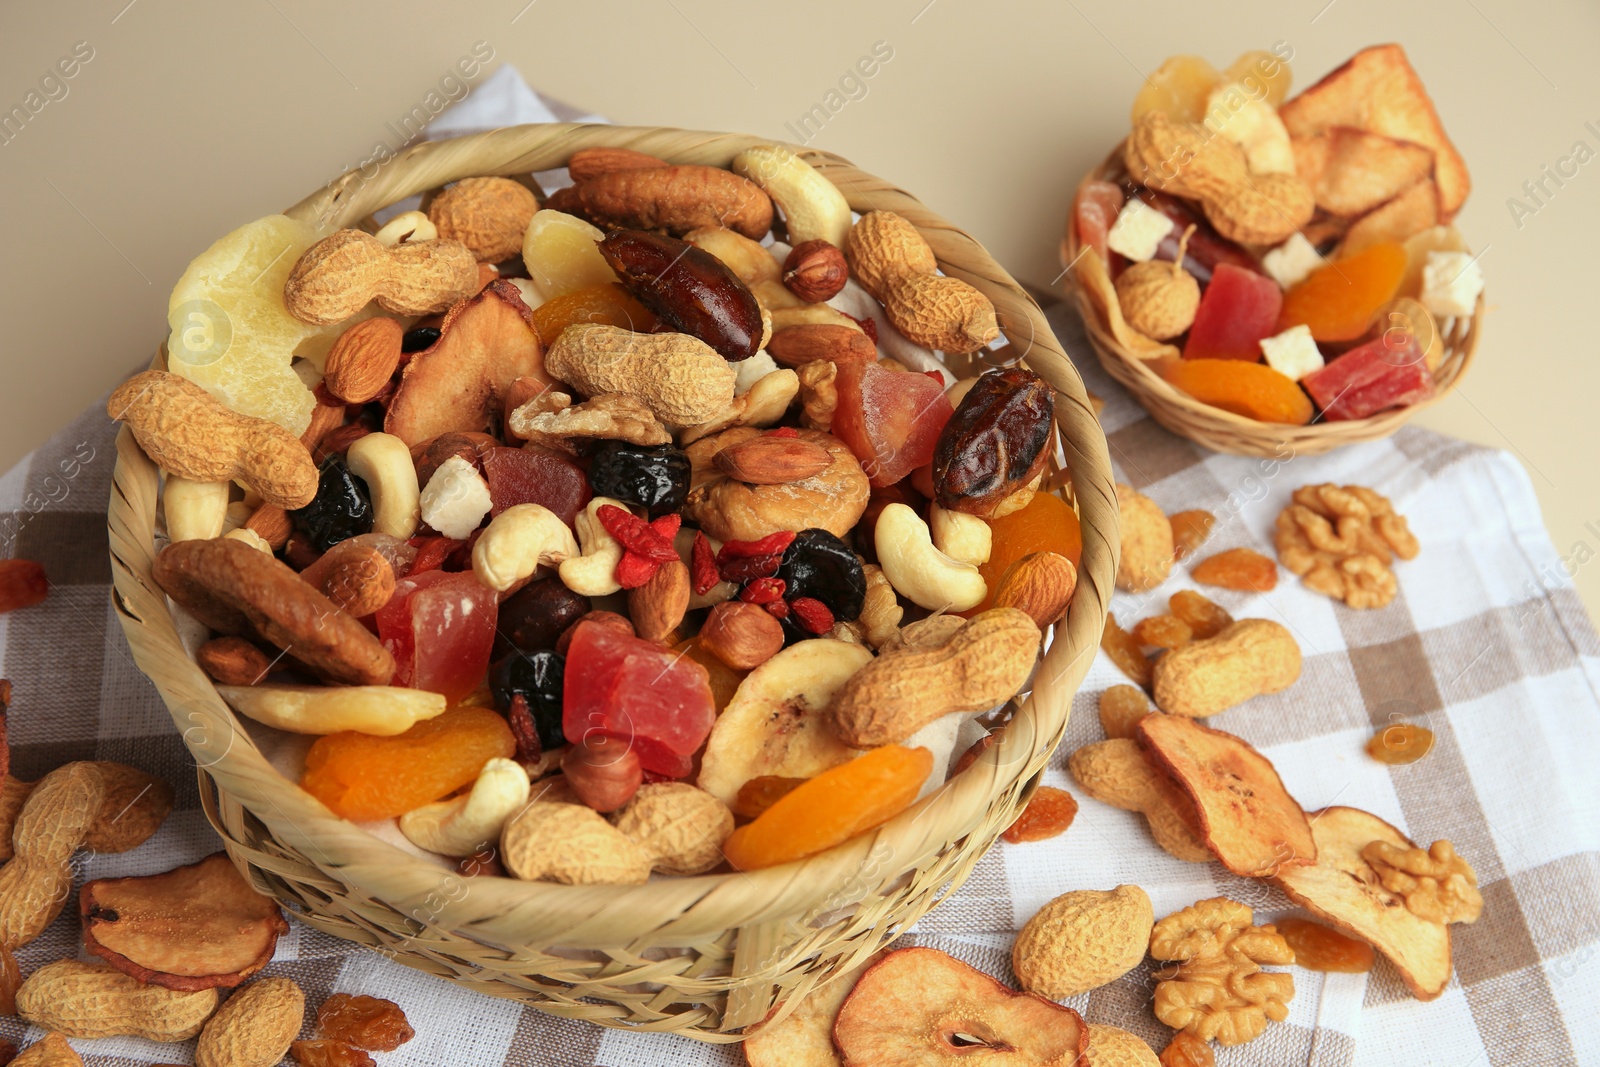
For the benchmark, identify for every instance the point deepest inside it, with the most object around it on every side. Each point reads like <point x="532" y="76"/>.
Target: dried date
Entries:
<point x="688" y="288"/>
<point x="996" y="442"/>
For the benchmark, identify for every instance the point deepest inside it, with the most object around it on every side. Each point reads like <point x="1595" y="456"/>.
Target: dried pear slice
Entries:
<point x="804" y="1037"/>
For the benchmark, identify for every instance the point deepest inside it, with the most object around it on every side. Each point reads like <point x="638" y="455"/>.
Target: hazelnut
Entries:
<point x="743" y="636"/>
<point x="603" y="771"/>
<point x="815" y="271"/>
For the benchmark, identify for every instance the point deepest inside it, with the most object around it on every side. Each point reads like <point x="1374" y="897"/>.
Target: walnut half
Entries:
<point x="1437" y="884"/>
<point x="1218" y="989"/>
<point x="1342" y="541"/>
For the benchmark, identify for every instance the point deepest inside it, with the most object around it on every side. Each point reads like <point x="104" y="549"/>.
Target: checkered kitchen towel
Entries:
<point x="1487" y="645"/>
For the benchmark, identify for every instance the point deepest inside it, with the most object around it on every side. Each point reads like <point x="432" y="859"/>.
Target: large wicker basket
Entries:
<point x="702" y="956"/>
<point x="1224" y="431"/>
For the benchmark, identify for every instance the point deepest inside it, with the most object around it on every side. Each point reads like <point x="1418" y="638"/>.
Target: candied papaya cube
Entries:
<point x="1237" y="310"/>
<point x="1374" y="377"/>
<point x="362" y="777"/>
<point x="1338" y="301"/>
<point x="535" y="475"/>
<point x="440" y="627"/>
<point x="1253" y="390"/>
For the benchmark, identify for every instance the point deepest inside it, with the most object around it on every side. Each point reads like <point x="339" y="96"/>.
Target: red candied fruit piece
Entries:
<point x="1093" y="212"/>
<point x="1374" y="377"/>
<point x="535" y="475"/>
<point x="1238" y="309"/>
<point x="889" y="419"/>
<point x="440" y="628"/>
<point x="431" y="553"/>
<point x="654" y="698"/>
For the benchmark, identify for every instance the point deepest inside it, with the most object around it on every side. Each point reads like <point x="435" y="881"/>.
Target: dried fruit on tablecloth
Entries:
<point x="920" y="1006"/>
<point x="1342" y="540"/>
<point x="1322" y="948"/>
<point x="831" y="808"/>
<point x="196" y="927"/>
<point x="1126" y="652"/>
<point x="1338" y="301"/>
<point x="804" y="1037"/>
<point x="1186" y="1049"/>
<point x="1400" y="743"/>
<point x="1218" y="989"/>
<point x="1046" y="523"/>
<point x="1253" y="390"/>
<point x="1343" y="889"/>
<point x="363" y="778"/>
<point x="1121" y="708"/>
<point x="370" y="1023"/>
<point x="1048" y="814"/>
<point x="1239" y="308"/>
<point x="1435" y="882"/>
<point x="1163" y="631"/>
<point x="1189" y="530"/>
<point x="1244" y="569"/>
<point x="22" y="584"/>
<point x="1205" y="618"/>
<point x="1118" y="772"/>
<point x="329" y="1054"/>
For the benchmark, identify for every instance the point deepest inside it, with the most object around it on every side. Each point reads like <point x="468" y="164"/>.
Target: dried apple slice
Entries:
<point x="195" y="927"/>
<point x="1248" y="819"/>
<point x="1342" y="889"/>
<point x="1363" y="170"/>
<point x="804" y="1037"/>
<point x="486" y="343"/>
<point x="1410" y="213"/>
<point x="920" y="1007"/>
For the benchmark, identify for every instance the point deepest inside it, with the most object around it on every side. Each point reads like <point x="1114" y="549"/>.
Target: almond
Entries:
<point x="795" y="346"/>
<point x="272" y="523"/>
<point x="770" y="460"/>
<point x="815" y="271"/>
<point x="233" y="661"/>
<point x="363" y="359"/>
<point x="589" y="163"/>
<point x="744" y="636"/>
<point x="658" y="606"/>
<point x="1041" y="584"/>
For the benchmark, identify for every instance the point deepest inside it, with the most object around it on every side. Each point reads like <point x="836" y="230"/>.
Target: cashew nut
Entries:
<point x="383" y="461"/>
<point x="379" y="710"/>
<point x="812" y="206"/>
<point x="196" y="511"/>
<point x="594" y="572"/>
<point x="407" y="226"/>
<point x="519" y="541"/>
<point x="962" y="537"/>
<point x="746" y="258"/>
<point x="920" y="572"/>
<point x="249" y="537"/>
<point x="461" y="826"/>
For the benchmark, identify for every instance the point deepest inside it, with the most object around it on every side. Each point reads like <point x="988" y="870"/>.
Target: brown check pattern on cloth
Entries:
<point x="1487" y="645"/>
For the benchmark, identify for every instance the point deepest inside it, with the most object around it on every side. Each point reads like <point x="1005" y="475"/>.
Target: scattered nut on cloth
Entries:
<point x="1485" y="643"/>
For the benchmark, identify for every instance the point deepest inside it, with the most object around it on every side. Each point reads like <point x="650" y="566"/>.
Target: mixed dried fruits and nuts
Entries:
<point x="587" y="532"/>
<point x="1284" y="260"/>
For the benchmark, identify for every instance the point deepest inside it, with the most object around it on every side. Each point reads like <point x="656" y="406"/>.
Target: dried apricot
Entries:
<point x="1205" y="618"/>
<point x="362" y="777"/>
<point x="371" y="1023"/>
<point x="329" y="1054"/>
<point x="1121" y="708"/>
<point x="1187" y="1049"/>
<point x="1321" y="948"/>
<point x="1400" y="743"/>
<point x="1244" y="569"/>
<point x="1045" y="524"/>
<point x="1047" y="815"/>
<point x="1163" y="631"/>
<point x="602" y="305"/>
<point x="1126" y="652"/>
<point x="833" y="807"/>
<point x="1338" y="301"/>
<point x="760" y="793"/>
<point x="1189" y="530"/>
<point x="1253" y="390"/>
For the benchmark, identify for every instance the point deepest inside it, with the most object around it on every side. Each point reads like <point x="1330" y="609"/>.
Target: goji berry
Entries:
<point x="812" y="614"/>
<point x="763" y="591"/>
<point x="702" y="565"/>
<point x="633" y="570"/>
<point x="749" y="568"/>
<point x="431" y="553"/>
<point x="774" y="544"/>
<point x="869" y="325"/>
<point x="636" y="535"/>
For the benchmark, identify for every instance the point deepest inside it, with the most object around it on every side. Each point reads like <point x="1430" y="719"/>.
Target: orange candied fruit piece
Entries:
<point x="1253" y="390"/>
<point x="600" y="305"/>
<point x="1126" y="652"/>
<point x="1121" y="708"/>
<point x="1205" y="618"/>
<point x="1163" y="631"/>
<point x="1188" y="1049"/>
<point x="831" y="808"/>
<point x="362" y="777"/>
<point x="1322" y="948"/>
<point x="1244" y="569"/>
<point x="371" y="1023"/>
<point x="724" y="679"/>
<point x="1189" y="531"/>
<point x="1338" y="301"/>
<point x="1047" y="815"/>
<point x="1400" y="743"/>
<point x="761" y="792"/>
<point x="1046" y="524"/>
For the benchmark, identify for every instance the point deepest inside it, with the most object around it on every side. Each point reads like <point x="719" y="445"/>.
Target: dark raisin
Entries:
<point x="996" y="441"/>
<point x="537" y="677"/>
<point x="532" y="618"/>
<point x="417" y="339"/>
<point x="342" y="507"/>
<point x="654" y="477"/>
<point x="819" y="565"/>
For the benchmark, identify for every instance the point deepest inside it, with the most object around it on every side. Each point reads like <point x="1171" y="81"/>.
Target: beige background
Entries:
<point x="191" y="118"/>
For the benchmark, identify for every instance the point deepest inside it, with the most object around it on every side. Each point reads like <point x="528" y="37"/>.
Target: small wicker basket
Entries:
<point x="1224" y="431"/>
<point x="699" y="956"/>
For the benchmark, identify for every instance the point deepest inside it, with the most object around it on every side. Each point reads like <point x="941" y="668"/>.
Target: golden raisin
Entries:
<point x="759" y="794"/>
<point x="329" y="1054"/>
<point x="1121" y="708"/>
<point x="1205" y="618"/>
<point x="1321" y="948"/>
<point x="1048" y="814"/>
<point x="1163" y="631"/>
<point x="1400" y="743"/>
<point x="1189" y="530"/>
<point x="365" y="1022"/>
<point x="1244" y="569"/>
<point x="1126" y="652"/>
<point x="1187" y="1050"/>
<point x="602" y="305"/>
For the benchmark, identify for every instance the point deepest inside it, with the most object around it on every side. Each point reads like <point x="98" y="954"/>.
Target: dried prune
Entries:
<point x="418" y="338"/>
<point x="656" y="477"/>
<point x="342" y="507"/>
<point x="533" y="618"/>
<point x="688" y="288"/>
<point x="537" y="677"/>
<point x="995" y="443"/>
<point x="819" y="565"/>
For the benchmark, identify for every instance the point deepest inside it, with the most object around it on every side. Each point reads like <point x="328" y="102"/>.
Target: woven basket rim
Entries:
<point x="499" y="911"/>
<point x="1215" y="427"/>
